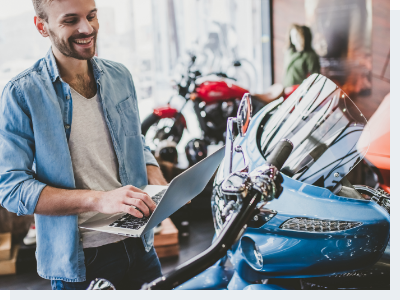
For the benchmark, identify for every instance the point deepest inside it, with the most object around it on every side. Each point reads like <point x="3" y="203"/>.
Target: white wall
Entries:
<point x="139" y="34"/>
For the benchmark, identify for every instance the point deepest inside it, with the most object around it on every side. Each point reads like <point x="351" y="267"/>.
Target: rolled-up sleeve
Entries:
<point x="19" y="191"/>
<point x="148" y="156"/>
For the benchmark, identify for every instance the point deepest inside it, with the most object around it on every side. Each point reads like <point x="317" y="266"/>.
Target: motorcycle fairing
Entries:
<point x="289" y="254"/>
<point x="216" y="277"/>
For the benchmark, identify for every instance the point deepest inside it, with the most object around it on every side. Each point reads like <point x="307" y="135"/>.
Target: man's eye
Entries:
<point x="90" y="18"/>
<point x="70" y="21"/>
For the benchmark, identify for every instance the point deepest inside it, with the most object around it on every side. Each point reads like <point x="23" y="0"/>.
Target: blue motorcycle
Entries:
<point x="285" y="215"/>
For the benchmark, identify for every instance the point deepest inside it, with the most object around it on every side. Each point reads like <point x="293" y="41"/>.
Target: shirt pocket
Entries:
<point x="129" y="117"/>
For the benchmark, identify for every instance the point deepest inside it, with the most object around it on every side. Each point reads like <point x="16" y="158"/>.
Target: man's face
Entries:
<point x="73" y="26"/>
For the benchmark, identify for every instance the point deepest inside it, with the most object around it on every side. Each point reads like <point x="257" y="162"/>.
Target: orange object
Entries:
<point x="193" y="96"/>
<point x="379" y="127"/>
<point x="377" y="134"/>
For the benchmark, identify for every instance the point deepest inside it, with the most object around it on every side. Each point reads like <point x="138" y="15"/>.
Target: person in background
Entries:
<point x="300" y="58"/>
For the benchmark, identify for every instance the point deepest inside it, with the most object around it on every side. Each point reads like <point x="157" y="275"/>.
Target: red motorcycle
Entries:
<point x="215" y="99"/>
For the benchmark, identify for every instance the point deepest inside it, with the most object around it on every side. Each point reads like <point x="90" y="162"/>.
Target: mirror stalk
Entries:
<point x="229" y="147"/>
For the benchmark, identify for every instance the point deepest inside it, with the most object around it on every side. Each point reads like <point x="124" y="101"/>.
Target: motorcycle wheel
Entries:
<point x="156" y="129"/>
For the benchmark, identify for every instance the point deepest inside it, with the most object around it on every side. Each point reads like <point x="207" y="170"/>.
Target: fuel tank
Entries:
<point x="214" y="91"/>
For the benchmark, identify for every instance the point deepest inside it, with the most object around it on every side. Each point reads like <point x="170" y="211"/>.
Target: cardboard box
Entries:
<point x="167" y="251"/>
<point x="166" y="243"/>
<point x="9" y="266"/>
<point x="168" y="235"/>
<point x="5" y="246"/>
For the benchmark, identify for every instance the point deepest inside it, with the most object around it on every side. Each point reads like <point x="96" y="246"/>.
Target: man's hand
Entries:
<point x="54" y="201"/>
<point x="154" y="175"/>
<point x="125" y="199"/>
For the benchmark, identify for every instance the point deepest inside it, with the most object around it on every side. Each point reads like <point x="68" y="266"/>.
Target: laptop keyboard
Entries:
<point x="130" y="222"/>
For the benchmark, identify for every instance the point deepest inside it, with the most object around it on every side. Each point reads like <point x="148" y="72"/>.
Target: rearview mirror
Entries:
<point x="244" y="114"/>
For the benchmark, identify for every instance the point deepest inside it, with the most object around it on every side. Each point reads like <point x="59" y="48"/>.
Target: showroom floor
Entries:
<point x="201" y="231"/>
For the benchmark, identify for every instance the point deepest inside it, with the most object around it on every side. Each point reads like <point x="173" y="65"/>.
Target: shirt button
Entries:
<point x="81" y="239"/>
<point x="67" y="97"/>
<point x="67" y="126"/>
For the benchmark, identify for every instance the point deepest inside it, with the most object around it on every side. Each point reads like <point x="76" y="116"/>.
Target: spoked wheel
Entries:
<point x="156" y="129"/>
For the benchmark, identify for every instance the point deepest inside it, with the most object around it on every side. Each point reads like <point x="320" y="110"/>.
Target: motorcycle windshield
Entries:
<point x="324" y="126"/>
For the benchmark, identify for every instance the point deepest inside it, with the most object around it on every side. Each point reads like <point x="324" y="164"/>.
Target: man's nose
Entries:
<point x="85" y="27"/>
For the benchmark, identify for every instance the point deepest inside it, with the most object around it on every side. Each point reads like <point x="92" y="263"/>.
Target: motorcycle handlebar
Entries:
<point x="280" y="154"/>
<point x="230" y="234"/>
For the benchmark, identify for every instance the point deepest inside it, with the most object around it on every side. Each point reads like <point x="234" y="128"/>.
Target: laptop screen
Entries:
<point x="185" y="187"/>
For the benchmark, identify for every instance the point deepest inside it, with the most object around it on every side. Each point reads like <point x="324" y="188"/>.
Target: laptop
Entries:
<point x="168" y="199"/>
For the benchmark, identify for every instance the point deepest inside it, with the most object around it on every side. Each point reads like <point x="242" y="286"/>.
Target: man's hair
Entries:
<point x="39" y="6"/>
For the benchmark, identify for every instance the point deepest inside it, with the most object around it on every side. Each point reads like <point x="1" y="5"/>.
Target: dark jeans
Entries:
<point x="125" y="264"/>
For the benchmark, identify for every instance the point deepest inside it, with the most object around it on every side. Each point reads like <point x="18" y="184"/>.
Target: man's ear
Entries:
<point x="39" y="23"/>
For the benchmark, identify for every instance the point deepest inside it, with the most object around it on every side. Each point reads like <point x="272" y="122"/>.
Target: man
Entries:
<point x="71" y="146"/>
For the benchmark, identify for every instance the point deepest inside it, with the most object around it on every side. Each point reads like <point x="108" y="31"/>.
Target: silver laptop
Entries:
<point x="169" y="199"/>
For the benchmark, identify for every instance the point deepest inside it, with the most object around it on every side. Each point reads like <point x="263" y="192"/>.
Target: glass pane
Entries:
<point x="324" y="126"/>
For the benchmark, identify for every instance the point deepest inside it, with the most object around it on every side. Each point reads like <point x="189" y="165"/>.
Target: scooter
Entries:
<point x="284" y="213"/>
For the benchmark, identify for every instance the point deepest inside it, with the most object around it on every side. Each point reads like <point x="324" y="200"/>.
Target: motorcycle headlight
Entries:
<point x="317" y="225"/>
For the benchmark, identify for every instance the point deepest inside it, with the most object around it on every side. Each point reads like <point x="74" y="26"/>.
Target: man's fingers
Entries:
<point x="132" y="211"/>
<point x="143" y="195"/>
<point x="139" y="204"/>
<point x="145" y="198"/>
<point x="135" y="189"/>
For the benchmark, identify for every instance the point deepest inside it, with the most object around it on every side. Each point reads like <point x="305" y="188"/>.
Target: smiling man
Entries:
<point x="71" y="146"/>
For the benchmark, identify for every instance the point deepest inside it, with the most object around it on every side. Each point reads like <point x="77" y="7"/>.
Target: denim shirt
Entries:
<point x="35" y="124"/>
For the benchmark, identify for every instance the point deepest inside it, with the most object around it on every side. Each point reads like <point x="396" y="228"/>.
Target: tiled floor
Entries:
<point x="201" y="231"/>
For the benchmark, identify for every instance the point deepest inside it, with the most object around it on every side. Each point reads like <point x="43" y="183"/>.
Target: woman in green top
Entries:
<point x="300" y="59"/>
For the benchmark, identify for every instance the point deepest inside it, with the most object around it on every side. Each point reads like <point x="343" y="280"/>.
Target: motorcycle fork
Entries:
<point x="178" y="117"/>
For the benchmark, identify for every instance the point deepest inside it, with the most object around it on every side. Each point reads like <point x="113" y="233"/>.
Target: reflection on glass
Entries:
<point x="324" y="126"/>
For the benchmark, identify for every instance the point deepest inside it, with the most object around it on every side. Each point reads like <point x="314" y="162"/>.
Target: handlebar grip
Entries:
<point x="280" y="153"/>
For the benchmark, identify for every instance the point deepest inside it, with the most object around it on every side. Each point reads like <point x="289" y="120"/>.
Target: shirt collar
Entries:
<point x="97" y="70"/>
<point x="54" y="72"/>
<point x="52" y="65"/>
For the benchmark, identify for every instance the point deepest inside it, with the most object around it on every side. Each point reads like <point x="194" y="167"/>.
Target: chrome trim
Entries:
<point x="356" y="224"/>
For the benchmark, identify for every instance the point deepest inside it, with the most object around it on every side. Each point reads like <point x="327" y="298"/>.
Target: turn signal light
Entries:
<point x="317" y="225"/>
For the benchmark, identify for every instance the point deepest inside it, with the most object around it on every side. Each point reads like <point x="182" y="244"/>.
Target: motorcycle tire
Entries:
<point x="148" y="122"/>
<point x="153" y="119"/>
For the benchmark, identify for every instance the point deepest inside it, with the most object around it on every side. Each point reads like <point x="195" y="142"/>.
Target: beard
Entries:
<point x="66" y="47"/>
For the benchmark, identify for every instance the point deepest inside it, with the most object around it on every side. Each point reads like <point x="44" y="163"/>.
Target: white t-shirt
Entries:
<point x="94" y="160"/>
